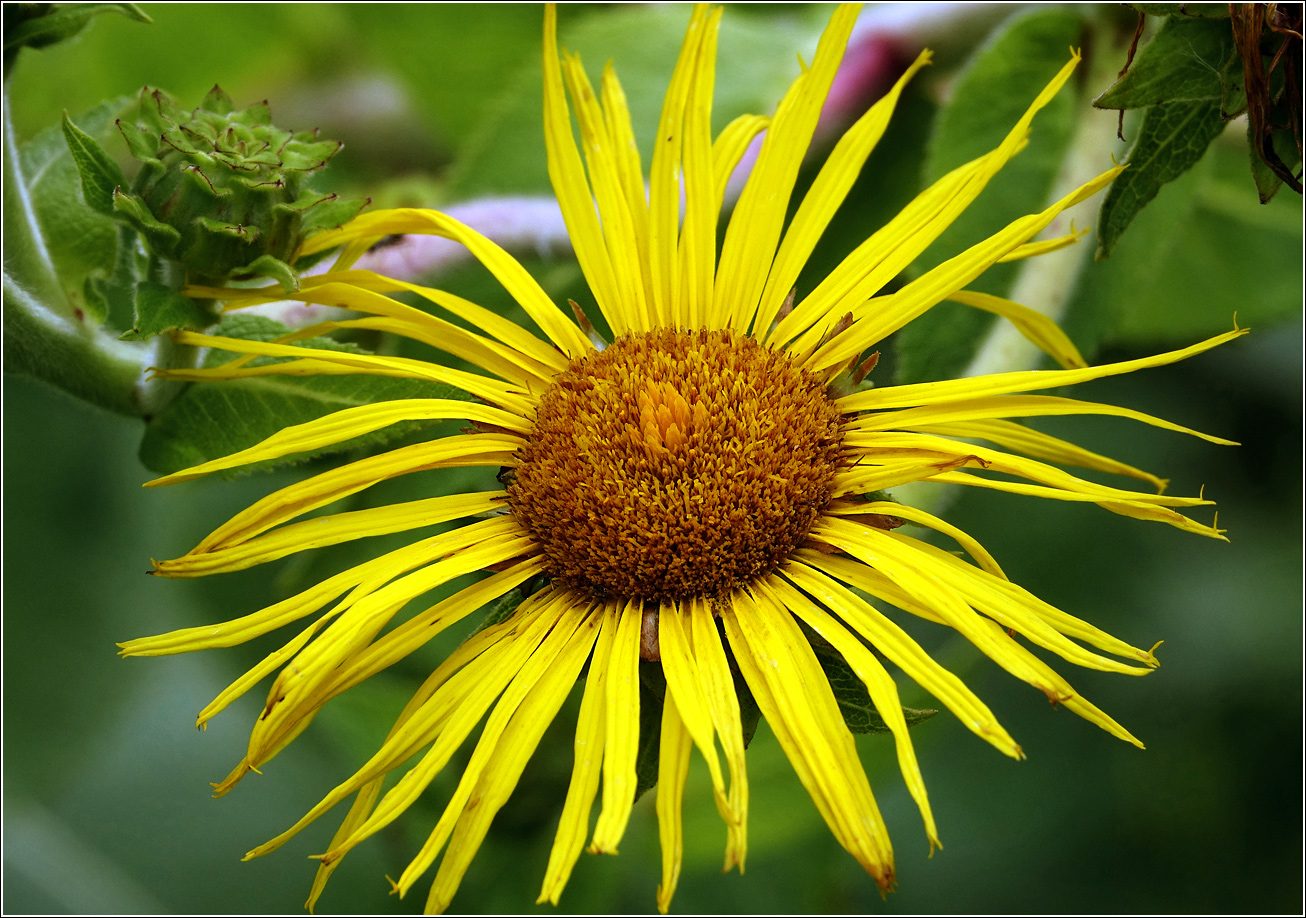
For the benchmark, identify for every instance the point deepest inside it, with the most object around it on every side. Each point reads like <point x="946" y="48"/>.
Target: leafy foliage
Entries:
<point x="1192" y="77"/>
<point x="1174" y="136"/>
<point x="209" y="420"/>
<point x="991" y="94"/>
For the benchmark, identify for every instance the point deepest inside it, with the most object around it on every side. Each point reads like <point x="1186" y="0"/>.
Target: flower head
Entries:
<point x="704" y="492"/>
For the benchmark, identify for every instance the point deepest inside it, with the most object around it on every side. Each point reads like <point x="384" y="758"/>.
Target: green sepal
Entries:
<point x="234" y="230"/>
<point x="159" y="309"/>
<point x="1188" y="60"/>
<point x="209" y="420"/>
<point x="331" y="212"/>
<point x="258" y="115"/>
<point x="218" y="101"/>
<point x="101" y="176"/>
<point x="159" y="236"/>
<point x="142" y="144"/>
<point x="268" y="266"/>
<point x="310" y="156"/>
<point x="1172" y="138"/>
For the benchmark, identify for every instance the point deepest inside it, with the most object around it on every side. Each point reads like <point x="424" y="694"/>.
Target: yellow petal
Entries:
<point x="621" y="733"/>
<point x="754" y="230"/>
<point x="879" y="684"/>
<point x="1037" y="328"/>
<point x="673" y="769"/>
<point x="903" y="652"/>
<point x="825" y="196"/>
<point x="796" y="699"/>
<point x="934" y="393"/>
<point x="502" y="753"/>
<point x="586" y="767"/>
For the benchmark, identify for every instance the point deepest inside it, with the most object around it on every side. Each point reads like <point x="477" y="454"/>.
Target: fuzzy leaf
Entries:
<point x="80" y="241"/>
<point x="210" y="420"/>
<point x="1173" y="137"/>
<point x="160" y="309"/>
<point x="1189" y="60"/>
<point x="991" y="94"/>
<point x="100" y="175"/>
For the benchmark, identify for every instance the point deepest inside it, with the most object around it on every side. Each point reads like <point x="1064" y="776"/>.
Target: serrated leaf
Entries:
<point x="1201" y="251"/>
<point x="1188" y="60"/>
<point x="859" y="712"/>
<point x="160" y="308"/>
<point x="1172" y="138"/>
<point x="211" y="420"/>
<point x="63" y="22"/>
<point x="101" y="176"/>
<point x="992" y="93"/>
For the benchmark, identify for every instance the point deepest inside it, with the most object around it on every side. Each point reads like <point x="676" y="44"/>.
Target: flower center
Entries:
<point x="676" y="464"/>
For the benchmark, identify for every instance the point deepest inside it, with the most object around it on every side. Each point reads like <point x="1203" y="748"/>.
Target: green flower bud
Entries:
<point x="221" y="191"/>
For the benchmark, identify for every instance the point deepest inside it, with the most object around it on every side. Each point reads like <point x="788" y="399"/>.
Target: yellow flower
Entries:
<point x="697" y="492"/>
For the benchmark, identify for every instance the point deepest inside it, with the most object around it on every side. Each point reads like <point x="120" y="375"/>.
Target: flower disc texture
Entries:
<point x="696" y="493"/>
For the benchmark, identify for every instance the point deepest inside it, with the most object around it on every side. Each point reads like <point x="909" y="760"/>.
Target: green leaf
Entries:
<point x="210" y="420"/>
<point x="991" y="95"/>
<point x="1189" y="60"/>
<point x="652" y="691"/>
<point x="61" y="22"/>
<point x="505" y="155"/>
<point x="1172" y="138"/>
<point x="160" y="308"/>
<point x="80" y="240"/>
<point x="1200" y="252"/>
<point x="859" y="712"/>
<point x="1267" y="180"/>
<point x="100" y="175"/>
<point x="1200" y="10"/>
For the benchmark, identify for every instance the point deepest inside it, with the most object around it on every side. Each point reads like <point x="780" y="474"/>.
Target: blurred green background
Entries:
<point x="107" y="806"/>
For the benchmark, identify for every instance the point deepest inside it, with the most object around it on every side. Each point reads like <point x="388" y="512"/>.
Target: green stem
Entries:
<point x="44" y="335"/>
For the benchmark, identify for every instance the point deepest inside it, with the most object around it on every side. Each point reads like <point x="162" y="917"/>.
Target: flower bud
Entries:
<point x="221" y="191"/>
